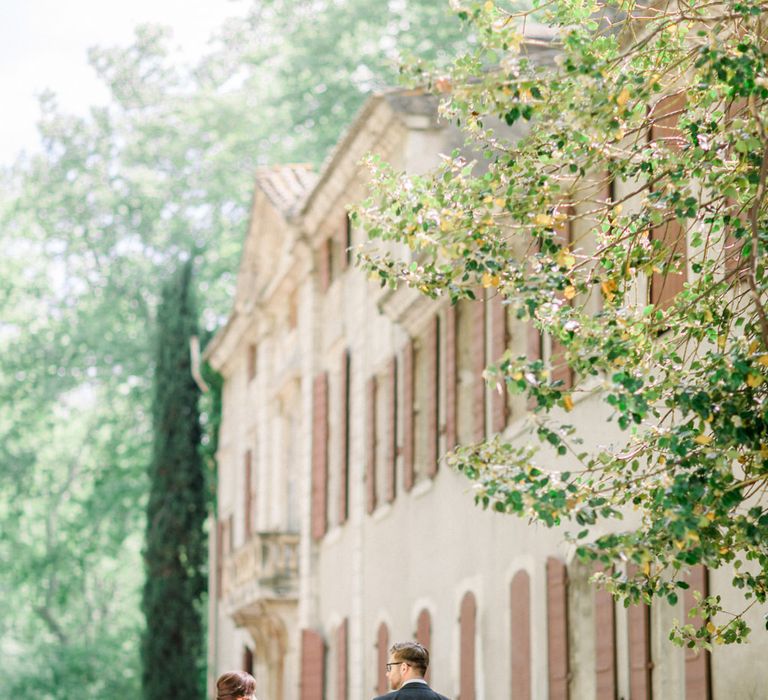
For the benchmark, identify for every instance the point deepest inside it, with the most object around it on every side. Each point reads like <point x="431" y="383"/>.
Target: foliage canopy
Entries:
<point x="628" y="222"/>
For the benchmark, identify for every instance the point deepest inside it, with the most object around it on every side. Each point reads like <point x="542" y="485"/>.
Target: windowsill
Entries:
<point x="382" y="511"/>
<point x="422" y="487"/>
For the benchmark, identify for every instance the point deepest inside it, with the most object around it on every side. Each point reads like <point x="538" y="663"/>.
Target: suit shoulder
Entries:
<point x="388" y="696"/>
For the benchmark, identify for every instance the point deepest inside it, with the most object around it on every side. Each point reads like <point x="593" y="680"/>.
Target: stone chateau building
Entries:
<point x="340" y="531"/>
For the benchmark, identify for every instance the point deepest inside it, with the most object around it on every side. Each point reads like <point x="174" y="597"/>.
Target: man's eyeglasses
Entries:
<point x="395" y="663"/>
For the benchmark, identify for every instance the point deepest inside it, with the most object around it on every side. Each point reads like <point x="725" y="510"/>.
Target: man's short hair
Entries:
<point x="412" y="652"/>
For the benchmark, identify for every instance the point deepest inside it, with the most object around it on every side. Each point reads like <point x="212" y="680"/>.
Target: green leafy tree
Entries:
<point x="646" y="136"/>
<point x="175" y="549"/>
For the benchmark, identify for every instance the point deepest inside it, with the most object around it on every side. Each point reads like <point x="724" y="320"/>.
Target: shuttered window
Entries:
<point x="320" y="456"/>
<point x="557" y="629"/>
<point x="312" y="665"/>
<point x="467" y="631"/>
<point x="697" y="665"/>
<point x="520" y="636"/>
<point x="382" y="656"/>
<point x="342" y="674"/>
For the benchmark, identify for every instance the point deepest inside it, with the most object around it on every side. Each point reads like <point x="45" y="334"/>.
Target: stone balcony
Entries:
<point x="266" y="567"/>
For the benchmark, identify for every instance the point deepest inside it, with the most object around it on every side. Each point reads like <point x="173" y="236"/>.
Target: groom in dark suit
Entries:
<point x="408" y="662"/>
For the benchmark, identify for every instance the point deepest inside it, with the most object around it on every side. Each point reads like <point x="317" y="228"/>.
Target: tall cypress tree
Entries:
<point x="175" y="550"/>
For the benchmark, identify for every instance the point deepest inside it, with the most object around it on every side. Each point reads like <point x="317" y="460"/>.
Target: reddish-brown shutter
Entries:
<point x="408" y="436"/>
<point x="324" y="265"/>
<point x="320" y="457"/>
<point x="499" y="339"/>
<point x="534" y="351"/>
<point x="664" y="288"/>
<point x="342" y="676"/>
<point x="557" y="628"/>
<point x="478" y="366"/>
<point x="431" y="389"/>
<point x="247" y="495"/>
<point x="560" y="369"/>
<point x="370" y="444"/>
<point x="450" y="376"/>
<point x="390" y="433"/>
<point x="605" y="646"/>
<point x="520" y="634"/>
<point x="344" y="439"/>
<point x="697" y="666"/>
<point x="424" y="633"/>
<point x="312" y="665"/>
<point x="639" y="634"/>
<point x="382" y="656"/>
<point x="467" y="625"/>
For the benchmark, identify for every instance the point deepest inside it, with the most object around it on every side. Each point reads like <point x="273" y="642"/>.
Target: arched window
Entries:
<point x="467" y="627"/>
<point x="520" y="635"/>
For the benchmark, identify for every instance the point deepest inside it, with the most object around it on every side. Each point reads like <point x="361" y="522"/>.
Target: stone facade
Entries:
<point x="340" y="531"/>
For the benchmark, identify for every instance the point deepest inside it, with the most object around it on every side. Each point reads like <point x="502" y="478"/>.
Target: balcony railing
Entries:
<point x="266" y="566"/>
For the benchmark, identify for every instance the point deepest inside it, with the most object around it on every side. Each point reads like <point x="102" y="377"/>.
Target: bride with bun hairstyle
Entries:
<point x="236" y="685"/>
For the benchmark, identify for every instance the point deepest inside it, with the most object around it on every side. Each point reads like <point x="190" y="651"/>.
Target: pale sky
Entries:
<point x="44" y="43"/>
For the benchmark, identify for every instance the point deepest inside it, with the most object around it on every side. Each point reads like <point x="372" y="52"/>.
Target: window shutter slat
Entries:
<point x="557" y="628"/>
<point x="320" y="457"/>
<point x="408" y="436"/>
<point x="520" y="634"/>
